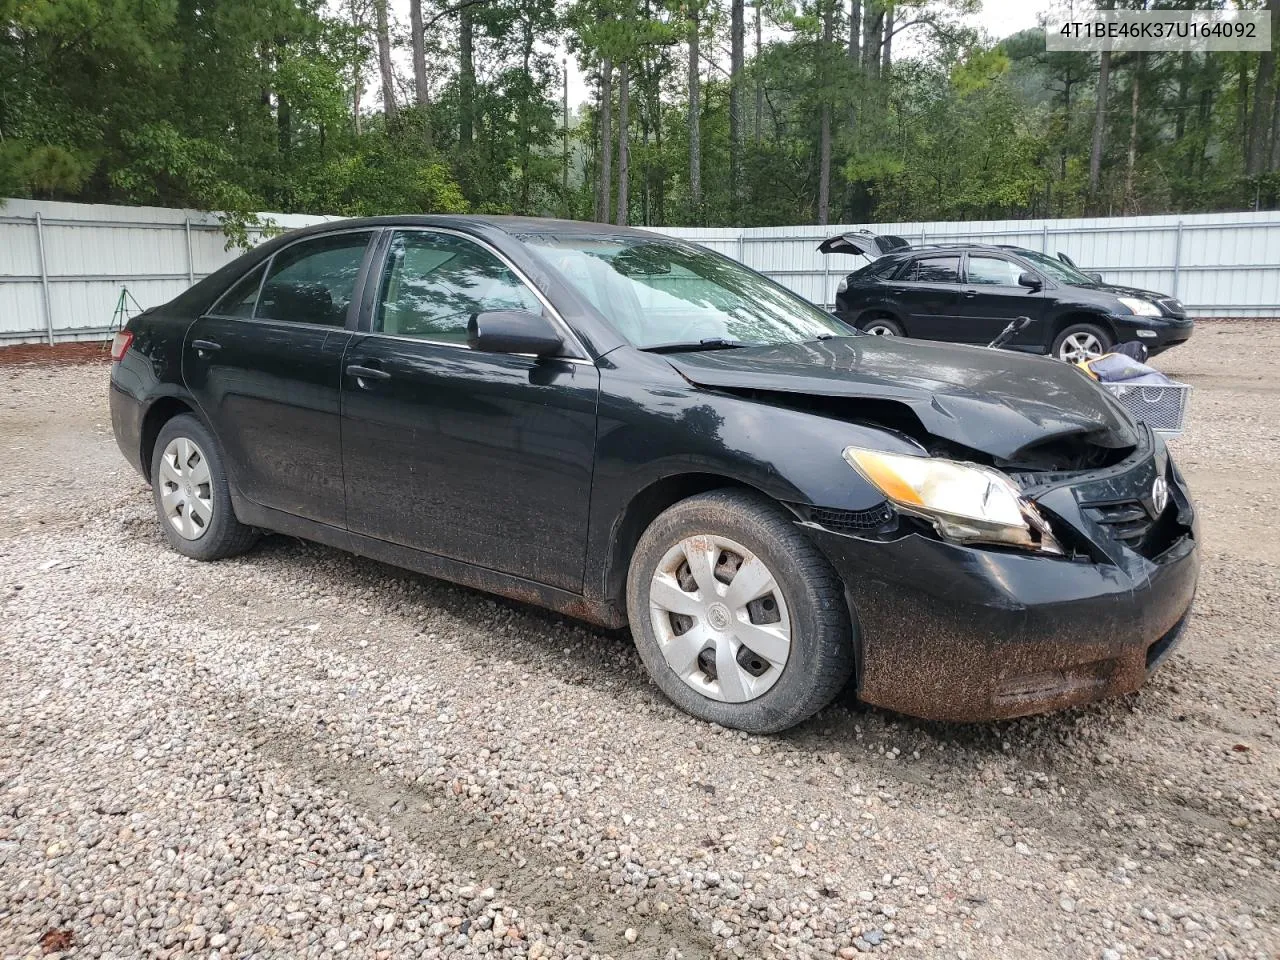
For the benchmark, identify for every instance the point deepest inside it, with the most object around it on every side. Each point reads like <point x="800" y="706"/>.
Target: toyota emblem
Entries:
<point x="1160" y="495"/>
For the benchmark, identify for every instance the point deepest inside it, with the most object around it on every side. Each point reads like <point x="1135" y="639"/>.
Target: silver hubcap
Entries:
<point x="720" y="618"/>
<point x="879" y="330"/>
<point x="186" y="490"/>
<point x="1080" y="346"/>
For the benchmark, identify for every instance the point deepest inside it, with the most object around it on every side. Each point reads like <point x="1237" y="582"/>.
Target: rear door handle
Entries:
<point x="364" y="374"/>
<point x="206" y="346"/>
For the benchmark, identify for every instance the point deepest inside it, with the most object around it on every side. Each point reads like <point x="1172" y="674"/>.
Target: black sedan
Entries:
<point x="968" y="293"/>
<point x="630" y="429"/>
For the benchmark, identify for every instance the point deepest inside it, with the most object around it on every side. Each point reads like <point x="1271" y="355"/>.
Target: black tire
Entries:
<point x="224" y="535"/>
<point x="889" y="326"/>
<point x="821" y="657"/>
<point x="1087" y="329"/>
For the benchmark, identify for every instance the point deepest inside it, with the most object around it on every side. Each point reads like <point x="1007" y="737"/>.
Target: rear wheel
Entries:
<point x="738" y="617"/>
<point x="192" y="498"/>
<point x="883" y="327"/>
<point x="1081" y="341"/>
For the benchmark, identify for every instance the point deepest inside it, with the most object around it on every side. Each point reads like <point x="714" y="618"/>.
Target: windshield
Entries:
<point x="1055" y="268"/>
<point x="658" y="293"/>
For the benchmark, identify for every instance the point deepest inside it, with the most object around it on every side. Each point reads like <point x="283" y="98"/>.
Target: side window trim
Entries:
<point x="266" y="265"/>
<point x="577" y="353"/>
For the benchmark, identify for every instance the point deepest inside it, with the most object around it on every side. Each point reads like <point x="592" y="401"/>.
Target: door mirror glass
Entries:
<point x="1029" y="280"/>
<point x="1095" y="277"/>
<point x="513" y="331"/>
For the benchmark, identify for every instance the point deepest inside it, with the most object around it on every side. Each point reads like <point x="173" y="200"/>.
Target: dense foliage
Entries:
<point x="704" y="111"/>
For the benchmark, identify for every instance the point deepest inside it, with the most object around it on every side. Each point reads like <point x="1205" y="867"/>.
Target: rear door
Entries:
<point x="484" y="458"/>
<point x="992" y="297"/>
<point x="928" y="292"/>
<point x="265" y="367"/>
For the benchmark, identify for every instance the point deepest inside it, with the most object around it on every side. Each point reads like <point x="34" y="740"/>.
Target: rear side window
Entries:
<point x="435" y="282"/>
<point x="933" y="270"/>
<point x="993" y="271"/>
<point x="313" y="281"/>
<point x="240" y="300"/>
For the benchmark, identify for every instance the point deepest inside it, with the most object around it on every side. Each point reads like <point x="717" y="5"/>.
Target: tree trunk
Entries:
<point x="737" y="27"/>
<point x="872" y="25"/>
<point x="886" y="45"/>
<point x="418" y="42"/>
<point x="1129" y="199"/>
<point x="1273" y="164"/>
<point x="522" y="114"/>
<point x="824" y="149"/>
<point x="466" y="77"/>
<point x="604" y="187"/>
<point x="1184" y="81"/>
<point x="695" y="115"/>
<point x="624" y="146"/>
<point x="1263" y="94"/>
<point x="384" y="60"/>
<point x="1099" y="125"/>
<point x="855" y="57"/>
<point x="759" y="121"/>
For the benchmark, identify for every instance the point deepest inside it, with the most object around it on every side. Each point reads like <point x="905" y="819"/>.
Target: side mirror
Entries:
<point x="1095" y="277"/>
<point x="1030" y="280"/>
<point x="513" y="331"/>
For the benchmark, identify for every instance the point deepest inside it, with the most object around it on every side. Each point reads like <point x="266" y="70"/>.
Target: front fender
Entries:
<point x="651" y="432"/>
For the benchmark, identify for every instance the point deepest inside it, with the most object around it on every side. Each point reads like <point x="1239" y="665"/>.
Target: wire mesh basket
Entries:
<point x="1162" y="407"/>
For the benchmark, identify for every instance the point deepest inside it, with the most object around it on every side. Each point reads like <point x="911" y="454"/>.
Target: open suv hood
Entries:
<point x="997" y="402"/>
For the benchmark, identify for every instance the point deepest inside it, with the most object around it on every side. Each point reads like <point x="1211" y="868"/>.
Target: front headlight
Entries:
<point x="1140" y="308"/>
<point x="966" y="503"/>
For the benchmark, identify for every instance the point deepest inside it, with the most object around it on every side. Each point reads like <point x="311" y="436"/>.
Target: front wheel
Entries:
<point x="738" y="617"/>
<point x="1081" y="341"/>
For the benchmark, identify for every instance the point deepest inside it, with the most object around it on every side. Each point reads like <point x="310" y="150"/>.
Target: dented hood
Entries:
<point x="995" y="401"/>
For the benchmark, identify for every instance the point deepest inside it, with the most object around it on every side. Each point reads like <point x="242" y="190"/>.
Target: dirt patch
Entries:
<point x="58" y="354"/>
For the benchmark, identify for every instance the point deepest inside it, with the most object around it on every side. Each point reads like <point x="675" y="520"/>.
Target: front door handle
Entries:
<point x="205" y="347"/>
<point x="970" y="294"/>
<point x="365" y="374"/>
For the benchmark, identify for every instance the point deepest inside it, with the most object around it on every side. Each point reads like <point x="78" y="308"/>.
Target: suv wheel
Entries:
<point x="192" y="498"/>
<point x="883" y="327"/>
<point x="1081" y="341"/>
<point x="738" y="617"/>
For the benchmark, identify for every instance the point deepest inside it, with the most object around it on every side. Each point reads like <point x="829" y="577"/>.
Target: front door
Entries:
<point x="991" y="297"/>
<point x="265" y="367"/>
<point x="484" y="458"/>
<point x="929" y="291"/>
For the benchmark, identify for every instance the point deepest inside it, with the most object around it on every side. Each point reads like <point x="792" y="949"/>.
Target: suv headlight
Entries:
<point x="1140" y="308"/>
<point x="965" y="503"/>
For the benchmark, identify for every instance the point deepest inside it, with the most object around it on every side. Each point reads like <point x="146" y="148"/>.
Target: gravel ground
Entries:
<point x="299" y="753"/>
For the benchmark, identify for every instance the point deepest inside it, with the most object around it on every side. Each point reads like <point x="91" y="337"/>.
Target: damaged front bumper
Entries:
<point x="952" y="632"/>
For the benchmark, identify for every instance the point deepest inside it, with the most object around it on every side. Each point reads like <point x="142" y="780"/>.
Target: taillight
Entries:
<point x="120" y="345"/>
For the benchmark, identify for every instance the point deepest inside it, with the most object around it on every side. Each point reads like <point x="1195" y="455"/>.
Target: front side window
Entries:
<point x="313" y="281"/>
<point x="435" y="282"/>
<point x="993" y="271"/>
<point x="656" y="293"/>
<point x="936" y="270"/>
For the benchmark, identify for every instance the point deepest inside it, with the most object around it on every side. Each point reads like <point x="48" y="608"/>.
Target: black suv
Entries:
<point x="968" y="293"/>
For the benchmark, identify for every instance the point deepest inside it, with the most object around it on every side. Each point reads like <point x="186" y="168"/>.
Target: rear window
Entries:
<point x="932" y="270"/>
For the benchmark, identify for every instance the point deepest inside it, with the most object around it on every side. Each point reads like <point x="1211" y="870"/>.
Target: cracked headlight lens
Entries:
<point x="966" y="503"/>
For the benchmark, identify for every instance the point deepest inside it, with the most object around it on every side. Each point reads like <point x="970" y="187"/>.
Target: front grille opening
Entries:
<point x="1129" y="522"/>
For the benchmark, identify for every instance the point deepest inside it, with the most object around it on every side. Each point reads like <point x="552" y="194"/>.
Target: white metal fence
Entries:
<point x="62" y="265"/>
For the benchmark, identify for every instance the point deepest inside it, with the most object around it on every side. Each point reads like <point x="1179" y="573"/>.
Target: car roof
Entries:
<point x="515" y="226"/>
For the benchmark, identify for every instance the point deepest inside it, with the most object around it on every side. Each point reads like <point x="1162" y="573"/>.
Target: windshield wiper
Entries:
<point x="708" y="343"/>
